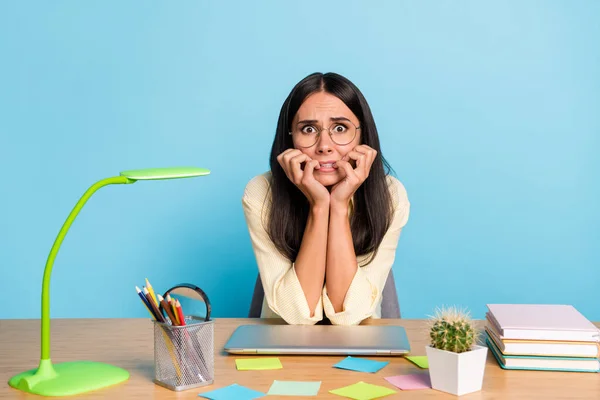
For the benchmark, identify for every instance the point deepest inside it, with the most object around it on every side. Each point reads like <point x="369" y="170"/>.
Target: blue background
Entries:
<point x="489" y="114"/>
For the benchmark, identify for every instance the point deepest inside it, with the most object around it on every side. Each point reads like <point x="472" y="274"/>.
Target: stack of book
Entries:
<point x="542" y="337"/>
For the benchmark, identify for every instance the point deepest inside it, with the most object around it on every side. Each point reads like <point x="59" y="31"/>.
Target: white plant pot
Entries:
<point x="457" y="373"/>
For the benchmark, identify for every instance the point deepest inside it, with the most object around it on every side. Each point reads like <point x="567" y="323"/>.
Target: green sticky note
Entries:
<point x="245" y="364"/>
<point x="420" y="361"/>
<point x="363" y="391"/>
<point x="294" y="388"/>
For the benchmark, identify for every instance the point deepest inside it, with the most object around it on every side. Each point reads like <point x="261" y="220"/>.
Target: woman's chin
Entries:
<point x="328" y="179"/>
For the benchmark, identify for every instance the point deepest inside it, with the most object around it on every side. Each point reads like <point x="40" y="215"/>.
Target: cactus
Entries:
<point x="452" y="330"/>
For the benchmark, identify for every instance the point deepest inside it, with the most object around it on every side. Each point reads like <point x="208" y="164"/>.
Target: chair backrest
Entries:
<point x="390" y="306"/>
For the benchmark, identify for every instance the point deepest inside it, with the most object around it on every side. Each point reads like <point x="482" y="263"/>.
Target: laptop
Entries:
<point x="319" y="339"/>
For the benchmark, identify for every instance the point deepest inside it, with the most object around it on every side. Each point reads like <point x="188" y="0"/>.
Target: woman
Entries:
<point x="325" y="220"/>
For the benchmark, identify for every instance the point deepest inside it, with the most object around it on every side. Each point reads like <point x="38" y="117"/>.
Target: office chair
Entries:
<point x="390" y="306"/>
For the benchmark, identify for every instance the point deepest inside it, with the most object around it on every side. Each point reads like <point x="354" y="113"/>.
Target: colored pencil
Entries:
<point x="175" y="313"/>
<point x="180" y="312"/>
<point x="145" y="301"/>
<point x="151" y="309"/>
<point x="200" y="362"/>
<point x="151" y="290"/>
<point x="167" y="308"/>
<point x="148" y="302"/>
<point x="159" y="316"/>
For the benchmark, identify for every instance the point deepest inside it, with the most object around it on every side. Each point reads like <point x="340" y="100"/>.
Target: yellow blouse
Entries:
<point x="284" y="297"/>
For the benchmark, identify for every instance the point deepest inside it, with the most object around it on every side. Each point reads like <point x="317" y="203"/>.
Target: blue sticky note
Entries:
<point x="232" y="392"/>
<point x="361" y="364"/>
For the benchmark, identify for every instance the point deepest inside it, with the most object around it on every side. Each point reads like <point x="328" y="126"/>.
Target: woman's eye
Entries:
<point x="308" y="129"/>
<point x="339" y="129"/>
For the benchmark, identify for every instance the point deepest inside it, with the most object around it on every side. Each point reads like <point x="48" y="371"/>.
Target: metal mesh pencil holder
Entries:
<point x="184" y="355"/>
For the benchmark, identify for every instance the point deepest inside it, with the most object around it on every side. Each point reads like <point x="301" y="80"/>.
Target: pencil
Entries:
<point x="145" y="301"/>
<point x="168" y="310"/>
<point x="151" y="290"/>
<point x="166" y="337"/>
<point x="193" y="345"/>
<point x="159" y="316"/>
<point x="180" y="312"/>
<point x="174" y="309"/>
<point x="171" y="303"/>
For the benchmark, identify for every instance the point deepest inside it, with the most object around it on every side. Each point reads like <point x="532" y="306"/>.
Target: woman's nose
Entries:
<point x="324" y="144"/>
<point x="324" y="150"/>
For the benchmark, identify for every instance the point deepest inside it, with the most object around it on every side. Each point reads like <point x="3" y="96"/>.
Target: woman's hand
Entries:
<point x="342" y="191"/>
<point x="291" y="160"/>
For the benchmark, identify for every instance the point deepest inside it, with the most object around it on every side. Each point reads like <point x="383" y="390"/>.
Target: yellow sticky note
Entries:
<point x="420" y="361"/>
<point x="363" y="391"/>
<point x="245" y="364"/>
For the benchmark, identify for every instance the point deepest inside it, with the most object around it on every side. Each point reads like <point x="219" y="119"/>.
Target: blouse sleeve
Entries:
<point x="283" y="292"/>
<point x="365" y="290"/>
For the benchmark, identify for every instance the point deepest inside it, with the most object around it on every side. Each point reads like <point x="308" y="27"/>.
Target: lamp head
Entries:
<point x="164" y="173"/>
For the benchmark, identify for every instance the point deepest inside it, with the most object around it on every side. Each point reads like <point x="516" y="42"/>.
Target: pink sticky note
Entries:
<point x="410" y="381"/>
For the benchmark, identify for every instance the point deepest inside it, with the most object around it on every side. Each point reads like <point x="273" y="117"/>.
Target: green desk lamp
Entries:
<point x="75" y="377"/>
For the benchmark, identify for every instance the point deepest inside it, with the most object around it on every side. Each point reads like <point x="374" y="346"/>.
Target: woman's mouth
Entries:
<point x="326" y="166"/>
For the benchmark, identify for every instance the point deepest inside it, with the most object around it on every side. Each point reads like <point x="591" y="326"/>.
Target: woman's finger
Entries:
<point x="363" y="148"/>
<point x="296" y="160"/>
<point x="282" y="159"/>
<point x="284" y="153"/>
<point x="355" y="155"/>
<point x="366" y="150"/>
<point x="295" y="169"/>
<point x="360" y="158"/>
<point x="290" y="154"/>
<point x="309" y="168"/>
<point x="369" y="157"/>
<point x="287" y="156"/>
<point x="351" y="175"/>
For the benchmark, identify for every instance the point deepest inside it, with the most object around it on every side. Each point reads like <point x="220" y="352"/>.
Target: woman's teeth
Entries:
<point x="328" y="165"/>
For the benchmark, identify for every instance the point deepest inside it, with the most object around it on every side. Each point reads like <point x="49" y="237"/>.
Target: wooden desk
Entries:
<point x="128" y="343"/>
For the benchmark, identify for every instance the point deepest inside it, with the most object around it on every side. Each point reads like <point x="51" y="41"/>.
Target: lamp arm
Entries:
<point x="50" y="261"/>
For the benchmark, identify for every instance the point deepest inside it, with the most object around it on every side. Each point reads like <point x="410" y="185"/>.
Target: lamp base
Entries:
<point x="68" y="378"/>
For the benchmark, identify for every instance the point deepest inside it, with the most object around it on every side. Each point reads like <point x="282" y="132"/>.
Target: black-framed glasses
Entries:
<point x="307" y="134"/>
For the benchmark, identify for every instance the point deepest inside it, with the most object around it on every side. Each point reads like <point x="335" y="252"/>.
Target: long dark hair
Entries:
<point x="372" y="209"/>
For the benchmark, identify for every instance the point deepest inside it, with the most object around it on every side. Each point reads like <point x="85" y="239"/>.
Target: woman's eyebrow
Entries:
<point x="314" y="121"/>
<point x="308" y="121"/>
<point x="339" y="119"/>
